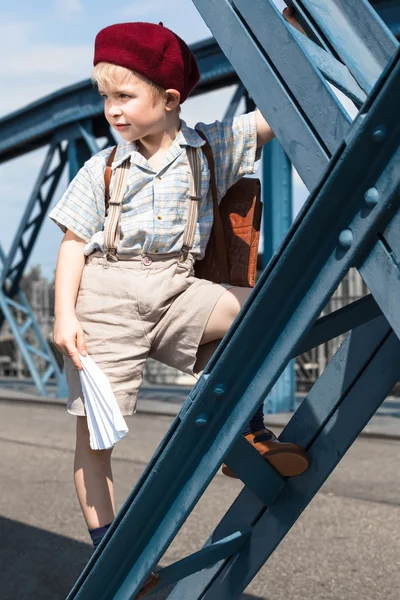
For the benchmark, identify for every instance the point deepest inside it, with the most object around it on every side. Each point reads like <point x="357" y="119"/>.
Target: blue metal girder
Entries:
<point x="234" y="103"/>
<point x="8" y="307"/>
<point x="32" y="220"/>
<point x="77" y="151"/>
<point x="333" y="70"/>
<point x="308" y="152"/>
<point x="328" y="421"/>
<point x="35" y="125"/>
<point x="277" y="219"/>
<point x="352" y="31"/>
<point x="389" y="11"/>
<point x="276" y="319"/>
<point x="310" y="131"/>
<point x="381" y="273"/>
<point x="339" y="322"/>
<point x="81" y="145"/>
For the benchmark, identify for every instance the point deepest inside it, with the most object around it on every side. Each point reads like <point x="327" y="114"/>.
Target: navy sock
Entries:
<point x="256" y="423"/>
<point x="98" y="534"/>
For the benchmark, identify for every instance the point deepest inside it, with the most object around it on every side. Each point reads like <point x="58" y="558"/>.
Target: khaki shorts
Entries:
<point x="130" y="310"/>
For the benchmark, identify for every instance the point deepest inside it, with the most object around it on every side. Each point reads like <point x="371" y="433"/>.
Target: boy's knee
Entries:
<point x="83" y="439"/>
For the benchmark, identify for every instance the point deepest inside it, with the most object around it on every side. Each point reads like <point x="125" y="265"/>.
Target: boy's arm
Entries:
<point x="264" y="131"/>
<point x="68" y="334"/>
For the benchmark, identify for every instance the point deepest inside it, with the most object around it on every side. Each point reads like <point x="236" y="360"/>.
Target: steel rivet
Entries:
<point x="371" y="197"/>
<point x="202" y="420"/>
<point x="219" y="390"/>
<point x="346" y="239"/>
<point x="379" y="134"/>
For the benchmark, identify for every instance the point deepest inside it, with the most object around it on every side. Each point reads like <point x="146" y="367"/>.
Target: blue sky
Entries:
<point x="48" y="45"/>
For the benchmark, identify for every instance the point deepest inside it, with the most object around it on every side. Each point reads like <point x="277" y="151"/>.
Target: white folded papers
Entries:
<point x="105" y="421"/>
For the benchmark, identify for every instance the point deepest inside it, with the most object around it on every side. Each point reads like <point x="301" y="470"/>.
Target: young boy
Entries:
<point x="144" y="300"/>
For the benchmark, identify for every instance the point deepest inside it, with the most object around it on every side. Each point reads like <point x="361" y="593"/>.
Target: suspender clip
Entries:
<point x="184" y="254"/>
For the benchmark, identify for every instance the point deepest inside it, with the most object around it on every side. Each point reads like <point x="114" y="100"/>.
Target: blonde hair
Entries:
<point x="105" y="74"/>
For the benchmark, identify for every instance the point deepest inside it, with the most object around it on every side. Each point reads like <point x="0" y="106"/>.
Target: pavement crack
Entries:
<point x="359" y="497"/>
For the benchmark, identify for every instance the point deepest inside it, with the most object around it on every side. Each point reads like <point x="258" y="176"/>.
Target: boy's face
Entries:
<point x="132" y="110"/>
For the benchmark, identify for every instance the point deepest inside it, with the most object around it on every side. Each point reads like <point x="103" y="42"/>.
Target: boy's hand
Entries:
<point x="69" y="339"/>
<point x="290" y="17"/>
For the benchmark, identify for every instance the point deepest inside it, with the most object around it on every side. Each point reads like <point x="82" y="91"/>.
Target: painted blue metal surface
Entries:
<point x="353" y="32"/>
<point x="32" y="220"/>
<point x="340" y="226"/>
<point x="8" y="306"/>
<point x="333" y="70"/>
<point x="286" y="302"/>
<point x="76" y="152"/>
<point x="277" y="219"/>
<point x="327" y="423"/>
<point x="64" y="111"/>
<point x="35" y="125"/>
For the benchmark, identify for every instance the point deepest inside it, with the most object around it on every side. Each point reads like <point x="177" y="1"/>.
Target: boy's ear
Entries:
<point x="172" y="99"/>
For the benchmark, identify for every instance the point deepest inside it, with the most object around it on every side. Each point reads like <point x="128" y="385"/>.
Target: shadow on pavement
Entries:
<point x="36" y="564"/>
<point x="39" y="565"/>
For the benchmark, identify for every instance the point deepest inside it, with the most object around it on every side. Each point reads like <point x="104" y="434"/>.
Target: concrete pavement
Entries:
<point x="344" y="547"/>
<point x="166" y="400"/>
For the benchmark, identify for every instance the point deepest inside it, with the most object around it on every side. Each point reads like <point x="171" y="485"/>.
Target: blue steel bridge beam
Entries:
<point x="30" y="327"/>
<point x="308" y="151"/>
<point x="344" y="397"/>
<point x="342" y="27"/>
<point x="77" y="151"/>
<point x="61" y="115"/>
<point x="279" y="63"/>
<point x="277" y="219"/>
<point x="81" y="143"/>
<point x="35" y="125"/>
<point x="286" y="301"/>
<point x="32" y="219"/>
<point x="277" y="200"/>
<point x="237" y="97"/>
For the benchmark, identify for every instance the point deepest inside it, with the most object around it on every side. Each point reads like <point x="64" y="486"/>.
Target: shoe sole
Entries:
<point x="287" y="464"/>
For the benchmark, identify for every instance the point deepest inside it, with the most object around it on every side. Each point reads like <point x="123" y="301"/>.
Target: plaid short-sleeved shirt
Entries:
<point x="155" y="205"/>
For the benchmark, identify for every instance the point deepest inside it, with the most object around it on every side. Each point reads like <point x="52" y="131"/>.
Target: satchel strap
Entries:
<point x="222" y="256"/>
<point x="112" y="228"/>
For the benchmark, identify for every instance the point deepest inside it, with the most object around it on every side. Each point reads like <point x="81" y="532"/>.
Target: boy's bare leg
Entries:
<point x="224" y="313"/>
<point x="287" y="458"/>
<point x="93" y="479"/>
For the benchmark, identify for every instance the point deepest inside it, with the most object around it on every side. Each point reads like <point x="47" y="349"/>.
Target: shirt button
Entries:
<point x="160" y="218"/>
<point x="147" y="261"/>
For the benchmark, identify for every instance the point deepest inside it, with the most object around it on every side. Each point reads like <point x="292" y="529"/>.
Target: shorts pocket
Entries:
<point x="185" y="268"/>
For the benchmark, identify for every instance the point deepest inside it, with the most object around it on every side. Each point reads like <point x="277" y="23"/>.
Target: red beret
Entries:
<point x="151" y="50"/>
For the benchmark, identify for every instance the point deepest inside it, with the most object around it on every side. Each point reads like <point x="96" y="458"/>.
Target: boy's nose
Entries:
<point x="114" y="111"/>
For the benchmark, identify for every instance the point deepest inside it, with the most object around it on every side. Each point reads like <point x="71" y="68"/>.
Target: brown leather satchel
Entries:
<point x="232" y="250"/>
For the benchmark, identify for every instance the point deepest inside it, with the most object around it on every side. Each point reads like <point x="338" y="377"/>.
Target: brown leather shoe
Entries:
<point x="152" y="582"/>
<point x="286" y="458"/>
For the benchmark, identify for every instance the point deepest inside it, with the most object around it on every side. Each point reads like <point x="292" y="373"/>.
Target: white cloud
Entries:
<point x="34" y="68"/>
<point x="68" y="9"/>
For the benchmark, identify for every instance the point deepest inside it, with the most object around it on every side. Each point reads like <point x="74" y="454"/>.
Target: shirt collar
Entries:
<point x="186" y="137"/>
